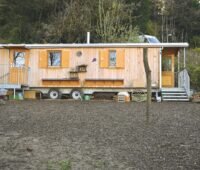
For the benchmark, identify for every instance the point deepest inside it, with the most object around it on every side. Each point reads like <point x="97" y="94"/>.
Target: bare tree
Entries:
<point x="114" y="22"/>
<point x="148" y="80"/>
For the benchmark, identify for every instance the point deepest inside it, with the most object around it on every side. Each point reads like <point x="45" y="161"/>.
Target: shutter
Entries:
<point x="120" y="58"/>
<point x="104" y="61"/>
<point x="43" y="59"/>
<point x="12" y="57"/>
<point x="65" y="58"/>
<point x="27" y="55"/>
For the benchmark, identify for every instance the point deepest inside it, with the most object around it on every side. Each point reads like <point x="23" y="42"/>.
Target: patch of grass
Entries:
<point x="61" y="165"/>
<point x="100" y="164"/>
<point x="49" y="165"/>
<point x="65" y="165"/>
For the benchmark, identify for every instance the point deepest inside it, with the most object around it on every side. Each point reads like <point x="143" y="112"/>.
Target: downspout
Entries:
<point x="184" y="58"/>
<point x="160" y="85"/>
<point x="184" y="64"/>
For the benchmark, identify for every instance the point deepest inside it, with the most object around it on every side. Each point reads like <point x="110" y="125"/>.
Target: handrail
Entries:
<point x="184" y="81"/>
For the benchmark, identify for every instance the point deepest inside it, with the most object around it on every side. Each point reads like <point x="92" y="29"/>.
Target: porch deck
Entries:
<point x="12" y="86"/>
<point x="13" y="77"/>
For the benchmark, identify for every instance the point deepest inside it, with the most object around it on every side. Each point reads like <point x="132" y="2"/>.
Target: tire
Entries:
<point x="54" y="94"/>
<point x="76" y="94"/>
<point x="6" y="97"/>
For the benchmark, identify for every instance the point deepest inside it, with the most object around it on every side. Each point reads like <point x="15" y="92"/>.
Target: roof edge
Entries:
<point x="97" y="45"/>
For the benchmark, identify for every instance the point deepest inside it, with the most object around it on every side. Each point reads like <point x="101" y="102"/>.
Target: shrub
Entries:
<point x="194" y="72"/>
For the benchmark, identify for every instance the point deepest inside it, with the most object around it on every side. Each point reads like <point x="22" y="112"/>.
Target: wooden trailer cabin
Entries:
<point x="57" y="69"/>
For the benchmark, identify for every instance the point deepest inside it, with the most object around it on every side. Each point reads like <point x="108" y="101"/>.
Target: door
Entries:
<point x="168" y="71"/>
<point x="19" y="59"/>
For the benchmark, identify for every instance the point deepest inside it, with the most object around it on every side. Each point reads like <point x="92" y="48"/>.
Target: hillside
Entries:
<point x="67" y="21"/>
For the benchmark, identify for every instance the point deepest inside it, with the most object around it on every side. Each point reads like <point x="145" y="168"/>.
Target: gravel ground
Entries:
<point x="98" y="135"/>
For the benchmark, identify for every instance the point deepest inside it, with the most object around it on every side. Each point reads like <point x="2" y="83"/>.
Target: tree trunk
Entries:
<point x="148" y="80"/>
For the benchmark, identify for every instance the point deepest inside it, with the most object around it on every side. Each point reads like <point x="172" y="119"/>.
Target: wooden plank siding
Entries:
<point x="103" y="83"/>
<point x="4" y="56"/>
<point x="131" y="71"/>
<point x="61" y="83"/>
<point x="129" y="67"/>
<point x="4" y="65"/>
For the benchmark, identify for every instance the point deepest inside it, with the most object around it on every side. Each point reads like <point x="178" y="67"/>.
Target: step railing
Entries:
<point x="184" y="81"/>
<point x="10" y="74"/>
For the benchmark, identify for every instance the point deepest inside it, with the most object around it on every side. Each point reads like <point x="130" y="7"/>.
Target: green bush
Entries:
<point x="193" y="67"/>
<point x="195" y="42"/>
<point x="194" y="72"/>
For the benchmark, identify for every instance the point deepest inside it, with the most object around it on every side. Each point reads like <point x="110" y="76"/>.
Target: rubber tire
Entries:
<point x="76" y="94"/>
<point x="6" y="97"/>
<point x="54" y="94"/>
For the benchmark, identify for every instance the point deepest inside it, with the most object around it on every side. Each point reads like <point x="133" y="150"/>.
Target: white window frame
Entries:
<point x="19" y="58"/>
<point x="112" y="56"/>
<point x="50" y="64"/>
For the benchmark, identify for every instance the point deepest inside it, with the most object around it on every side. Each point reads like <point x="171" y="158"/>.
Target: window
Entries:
<point x="54" y="58"/>
<point x="79" y="53"/>
<point x="166" y="64"/>
<point x="112" y="58"/>
<point x="19" y="59"/>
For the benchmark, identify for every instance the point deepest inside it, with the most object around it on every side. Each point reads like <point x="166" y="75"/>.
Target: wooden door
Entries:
<point x="168" y="71"/>
<point x="19" y="62"/>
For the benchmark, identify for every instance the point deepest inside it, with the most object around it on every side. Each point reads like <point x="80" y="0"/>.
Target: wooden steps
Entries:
<point x="174" y="94"/>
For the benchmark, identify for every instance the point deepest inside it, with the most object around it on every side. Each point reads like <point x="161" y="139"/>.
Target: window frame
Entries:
<point x="48" y="55"/>
<point x="15" y="58"/>
<point x="167" y="63"/>
<point x="109" y="58"/>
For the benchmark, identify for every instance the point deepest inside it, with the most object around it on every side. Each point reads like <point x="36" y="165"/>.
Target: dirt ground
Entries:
<point x="98" y="135"/>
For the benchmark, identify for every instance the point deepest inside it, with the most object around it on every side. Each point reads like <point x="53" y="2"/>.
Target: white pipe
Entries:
<point x="14" y="93"/>
<point x="178" y="61"/>
<point x="184" y="58"/>
<point x="88" y="37"/>
<point x="160" y="68"/>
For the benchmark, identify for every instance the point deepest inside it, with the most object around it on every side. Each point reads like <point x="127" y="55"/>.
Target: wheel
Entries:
<point x="54" y="94"/>
<point x="76" y="94"/>
<point x="6" y="97"/>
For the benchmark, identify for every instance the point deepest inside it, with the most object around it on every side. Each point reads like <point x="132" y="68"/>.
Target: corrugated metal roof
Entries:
<point x="98" y="45"/>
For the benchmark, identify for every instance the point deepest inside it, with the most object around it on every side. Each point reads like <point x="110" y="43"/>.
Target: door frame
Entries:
<point x="168" y="76"/>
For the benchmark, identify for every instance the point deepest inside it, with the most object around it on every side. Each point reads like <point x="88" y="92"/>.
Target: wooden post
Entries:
<point x="178" y="61"/>
<point x="148" y="80"/>
<point x="184" y="61"/>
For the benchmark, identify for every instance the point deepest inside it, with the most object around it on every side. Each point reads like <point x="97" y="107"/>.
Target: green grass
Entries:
<point x="60" y="165"/>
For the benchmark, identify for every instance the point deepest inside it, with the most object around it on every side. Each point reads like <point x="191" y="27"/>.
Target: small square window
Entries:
<point x="54" y="58"/>
<point x="112" y="58"/>
<point x="19" y="59"/>
<point x="166" y="64"/>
